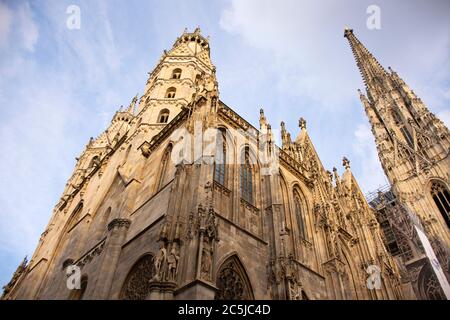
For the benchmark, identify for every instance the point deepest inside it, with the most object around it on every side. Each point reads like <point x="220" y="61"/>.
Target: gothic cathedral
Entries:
<point x="182" y="198"/>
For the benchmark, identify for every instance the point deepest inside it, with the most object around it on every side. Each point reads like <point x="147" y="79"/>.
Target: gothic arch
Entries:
<point x="230" y="156"/>
<point x="163" y="116"/>
<point x="301" y="213"/>
<point x="285" y="198"/>
<point x="248" y="175"/>
<point x="136" y="284"/>
<point x="176" y="73"/>
<point x="164" y="166"/>
<point x="230" y="143"/>
<point x="232" y="281"/>
<point x="170" y="93"/>
<point x="223" y="151"/>
<point x="440" y="197"/>
<point x="350" y="277"/>
<point x="75" y="216"/>
<point x="248" y="162"/>
<point x="428" y="285"/>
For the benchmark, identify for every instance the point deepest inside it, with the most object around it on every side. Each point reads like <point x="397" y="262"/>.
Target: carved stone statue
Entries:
<point x="159" y="261"/>
<point x="295" y="289"/>
<point x="172" y="262"/>
<point x="206" y="260"/>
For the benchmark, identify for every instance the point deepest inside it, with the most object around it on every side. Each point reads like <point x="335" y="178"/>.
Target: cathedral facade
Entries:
<point x="182" y="198"/>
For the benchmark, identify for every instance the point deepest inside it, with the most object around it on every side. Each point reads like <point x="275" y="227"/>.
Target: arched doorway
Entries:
<point x="232" y="281"/>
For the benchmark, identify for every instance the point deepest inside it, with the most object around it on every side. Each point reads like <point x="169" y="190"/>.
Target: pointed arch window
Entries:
<point x="137" y="283"/>
<point x="170" y="93"/>
<point x="221" y="155"/>
<point x="76" y="214"/>
<point x="409" y="139"/>
<point x="163" y="116"/>
<point x="299" y="215"/>
<point x="441" y="198"/>
<point x="232" y="281"/>
<point x="246" y="177"/>
<point x="164" y="166"/>
<point x="176" y="73"/>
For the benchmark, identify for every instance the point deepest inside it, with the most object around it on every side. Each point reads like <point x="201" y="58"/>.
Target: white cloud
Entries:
<point x="303" y="39"/>
<point x="371" y="174"/>
<point x="314" y="60"/>
<point x="28" y="29"/>
<point x="18" y="26"/>
<point x="5" y="24"/>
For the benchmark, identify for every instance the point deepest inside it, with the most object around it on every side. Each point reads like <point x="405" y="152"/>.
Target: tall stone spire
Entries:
<point x="412" y="143"/>
<point x="400" y="120"/>
<point x="371" y="70"/>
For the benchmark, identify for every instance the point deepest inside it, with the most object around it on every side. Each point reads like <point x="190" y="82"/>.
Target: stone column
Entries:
<point x="117" y="230"/>
<point x="161" y="290"/>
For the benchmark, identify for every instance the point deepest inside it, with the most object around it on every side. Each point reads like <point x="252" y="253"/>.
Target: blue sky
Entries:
<point x="59" y="86"/>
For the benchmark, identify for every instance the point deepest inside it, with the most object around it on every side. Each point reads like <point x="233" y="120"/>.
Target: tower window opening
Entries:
<point x="176" y="74"/>
<point x="170" y="93"/>
<point x="163" y="116"/>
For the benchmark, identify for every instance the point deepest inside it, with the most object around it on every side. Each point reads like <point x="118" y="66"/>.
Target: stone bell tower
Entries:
<point x="172" y="83"/>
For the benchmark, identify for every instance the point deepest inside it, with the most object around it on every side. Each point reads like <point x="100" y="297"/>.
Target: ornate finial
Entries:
<point x="347" y="30"/>
<point x="261" y="111"/>
<point x="283" y="126"/>
<point x="330" y="175"/>
<point x="334" y="169"/>
<point x="132" y="104"/>
<point x="197" y="30"/>
<point x="346" y="163"/>
<point x="302" y="123"/>
<point x="185" y="30"/>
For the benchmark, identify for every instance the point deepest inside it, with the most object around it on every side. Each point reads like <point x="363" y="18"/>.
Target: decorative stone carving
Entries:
<point x="294" y="289"/>
<point x="119" y="223"/>
<point x="232" y="282"/>
<point x="137" y="284"/>
<point x="172" y="262"/>
<point x="207" y="235"/>
<point x="160" y="261"/>
<point x="145" y="149"/>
